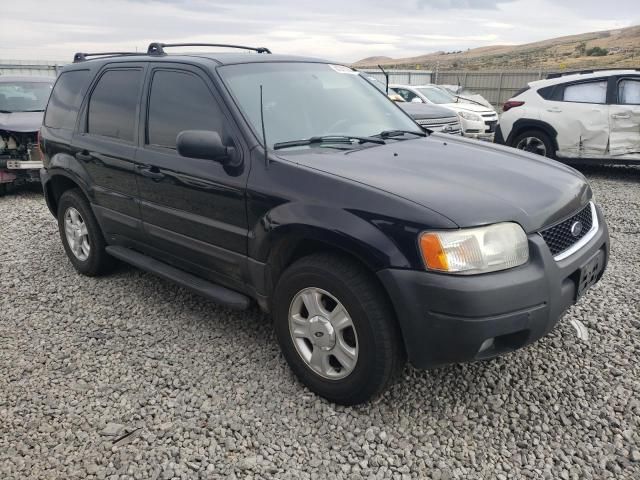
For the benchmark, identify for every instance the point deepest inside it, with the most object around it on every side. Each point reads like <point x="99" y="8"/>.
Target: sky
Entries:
<point x="343" y="30"/>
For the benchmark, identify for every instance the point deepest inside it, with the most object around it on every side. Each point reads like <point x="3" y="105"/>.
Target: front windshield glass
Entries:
<point x="304" y="100"/>
<point x="435" y="95"/>
<point x="24" y="96"/>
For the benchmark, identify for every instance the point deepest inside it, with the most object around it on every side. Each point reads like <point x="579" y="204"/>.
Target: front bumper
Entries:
<point x="487" y="137"/>
<point x="454" y="318"/>
<point x="478" y="130"/>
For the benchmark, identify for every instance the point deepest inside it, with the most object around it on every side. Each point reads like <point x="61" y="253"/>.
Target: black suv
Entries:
<point x="295" y="183"/>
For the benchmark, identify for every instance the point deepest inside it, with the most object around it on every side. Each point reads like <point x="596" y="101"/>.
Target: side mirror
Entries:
<point x="207" y="145"/>
<point x="416" y="100"/>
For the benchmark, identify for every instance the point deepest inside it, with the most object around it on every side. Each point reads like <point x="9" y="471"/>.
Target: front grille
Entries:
<point x="432" y="122"/>
<point x="559" y="237"/>
<point x="451" y="124"/>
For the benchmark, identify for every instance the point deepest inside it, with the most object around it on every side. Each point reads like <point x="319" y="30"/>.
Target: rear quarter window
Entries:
<point x="65" y="100"/>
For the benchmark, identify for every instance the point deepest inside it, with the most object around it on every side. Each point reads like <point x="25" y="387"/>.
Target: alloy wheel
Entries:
<point x="532" y="145"/>
<point x="77" y="234"/>
<point x="323" y="333"/>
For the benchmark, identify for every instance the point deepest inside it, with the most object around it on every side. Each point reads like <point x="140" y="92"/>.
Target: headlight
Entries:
<point x="472" y="117"/>
<point x="475" y="250"/>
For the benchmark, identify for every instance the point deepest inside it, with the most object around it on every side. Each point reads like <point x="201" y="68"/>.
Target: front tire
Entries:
<point x="535" y="141"/>
<point x="81" y="236"/>
<point x="337" y="329"/>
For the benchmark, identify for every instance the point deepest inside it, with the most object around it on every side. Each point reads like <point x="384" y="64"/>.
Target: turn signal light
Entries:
<point x="433" y="254"/>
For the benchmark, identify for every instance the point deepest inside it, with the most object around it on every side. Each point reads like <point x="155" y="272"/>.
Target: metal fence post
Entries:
<point x="499" y="99"/>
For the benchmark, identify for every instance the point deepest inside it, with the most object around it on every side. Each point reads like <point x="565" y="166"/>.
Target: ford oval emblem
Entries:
<point x="576" y="228"/>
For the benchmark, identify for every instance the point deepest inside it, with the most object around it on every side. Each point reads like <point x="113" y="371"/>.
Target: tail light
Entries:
<point x="509" y="104"/>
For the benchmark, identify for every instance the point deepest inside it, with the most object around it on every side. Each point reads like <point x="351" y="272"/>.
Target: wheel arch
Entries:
<point x="62" y="173"/>
<point x="525" y="124"/>
<point x="292" y="231"/>
<point x="57" y="183"/>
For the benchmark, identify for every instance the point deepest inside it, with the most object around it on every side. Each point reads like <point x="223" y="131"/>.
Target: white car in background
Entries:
<point x="478" y="121"/>
<point x="585" y="115"/>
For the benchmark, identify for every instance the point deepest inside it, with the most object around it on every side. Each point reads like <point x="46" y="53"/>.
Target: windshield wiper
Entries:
<point x="327" y="139"/>
<point x="398" y="133"/>
<point x="39" y="110"/>
<point x="6" y="111"/>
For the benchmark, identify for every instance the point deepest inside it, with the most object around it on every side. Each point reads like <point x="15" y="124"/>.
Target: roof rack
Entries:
<point x="81" y="56"/>
<point x="585" y="72"/>
<point x="157" y="48"/>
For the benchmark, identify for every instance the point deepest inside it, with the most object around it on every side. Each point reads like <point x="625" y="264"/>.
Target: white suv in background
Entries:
<point x="478" y="121"/>
<point x="585" y="115"/>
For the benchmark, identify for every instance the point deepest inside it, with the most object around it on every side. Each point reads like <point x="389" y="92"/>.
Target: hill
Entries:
<point x="610" y="48"/>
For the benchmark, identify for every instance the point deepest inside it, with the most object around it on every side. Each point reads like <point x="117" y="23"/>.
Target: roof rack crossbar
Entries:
<point x="157" y="48"/>
<point x="81" y="56"/>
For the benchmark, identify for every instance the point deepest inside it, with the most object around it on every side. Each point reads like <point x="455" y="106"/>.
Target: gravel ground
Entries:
<point x="129" y="376"/>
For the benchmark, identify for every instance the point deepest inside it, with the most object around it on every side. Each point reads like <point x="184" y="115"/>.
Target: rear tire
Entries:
<point x="535" y="141"/>
<point x="81" y="236"/>
<point x="3" y="189"/>
<point x="351" y="329"/>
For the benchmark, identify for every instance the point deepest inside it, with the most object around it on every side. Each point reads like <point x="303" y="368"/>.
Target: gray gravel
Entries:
<point x="129" y="376"/>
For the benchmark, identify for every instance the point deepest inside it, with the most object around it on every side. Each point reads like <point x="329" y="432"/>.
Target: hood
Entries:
<point x="470" y="107"/>
<point x="474" y="97"/>
<point x="422" y="110"/>
<point x="469" y="182"/>
<point x="22" y="122"/>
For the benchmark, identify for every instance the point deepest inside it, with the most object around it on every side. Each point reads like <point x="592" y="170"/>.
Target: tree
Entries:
<point x="597" y="52"/>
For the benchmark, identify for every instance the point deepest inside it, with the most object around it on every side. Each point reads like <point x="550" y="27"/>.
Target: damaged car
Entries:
<point x="22" y="104"/>
<point x="578" y="116"/>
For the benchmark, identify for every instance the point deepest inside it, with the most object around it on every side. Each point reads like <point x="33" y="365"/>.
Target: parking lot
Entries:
<point x="205" y="393"/>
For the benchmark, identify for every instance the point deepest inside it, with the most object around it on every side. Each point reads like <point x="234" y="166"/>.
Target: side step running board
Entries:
<point x="217" y="293"/>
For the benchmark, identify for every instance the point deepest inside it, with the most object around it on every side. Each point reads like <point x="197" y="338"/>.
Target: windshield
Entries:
<point x="435" y="95"/>
<point x="24" y="96"/>
<point x="304" y="100"/>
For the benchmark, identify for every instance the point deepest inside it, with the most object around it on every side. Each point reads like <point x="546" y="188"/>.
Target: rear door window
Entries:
<point x="629" y="92"/>
<point x="587" y="92"/>
<point x="180" y="101"/>
<point x="113" y="104"/>
<point x="65" y="100"/>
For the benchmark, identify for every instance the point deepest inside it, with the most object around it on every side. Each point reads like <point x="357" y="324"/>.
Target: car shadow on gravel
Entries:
<point x="612" y="172"/>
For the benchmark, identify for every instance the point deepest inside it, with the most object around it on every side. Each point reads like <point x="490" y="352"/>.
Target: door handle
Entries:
<point x="621" y="115"/>
<point x="150" y="172"/>
<point x="84" y="156"/>
<point x="554" y="110"/>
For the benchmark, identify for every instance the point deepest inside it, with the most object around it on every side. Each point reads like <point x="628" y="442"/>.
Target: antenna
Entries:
<point x="264" y="133"/>
<point x="386" y="76"/>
